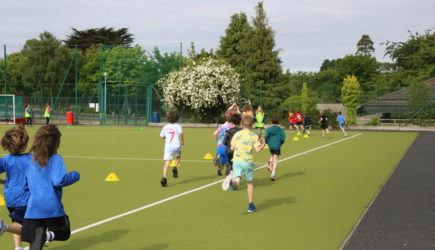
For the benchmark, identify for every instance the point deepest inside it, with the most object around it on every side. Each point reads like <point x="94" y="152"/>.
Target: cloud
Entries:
<point x="307" y="32"/>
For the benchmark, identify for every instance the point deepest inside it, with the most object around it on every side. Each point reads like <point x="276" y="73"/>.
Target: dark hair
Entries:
<point x="47" y="141"/>
<point x="15" y="140"/>
<point x="339" y="112"/>
<point x="236" y="118"/>
<point x="173" y="116"/>
<point x="275" y="120"/>
<point x="247" y="121"/>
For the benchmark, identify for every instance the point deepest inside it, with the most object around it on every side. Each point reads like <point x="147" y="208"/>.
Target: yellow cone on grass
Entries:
<point x="306" y="136"/>
<point x="299" y="133"/>
<point x="208" y="156"/>
<point x="112" y="177"/>
<point x="295" y="138"/>
<point x="266" y="146"/>
<point x="2" y="200"/>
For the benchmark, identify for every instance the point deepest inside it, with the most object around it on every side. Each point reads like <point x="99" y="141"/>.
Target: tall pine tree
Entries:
<point x="250" y="50"/>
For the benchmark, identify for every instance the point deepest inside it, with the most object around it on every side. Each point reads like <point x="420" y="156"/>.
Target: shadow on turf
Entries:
<point x="269" y="203"/>
<point x="263" y="181"/>
<point x="200" y="178"/>
<point x="89" y="242"/>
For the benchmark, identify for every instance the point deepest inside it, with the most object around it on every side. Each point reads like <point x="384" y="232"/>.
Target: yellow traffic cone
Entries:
<point x="306" y="136"/>
<point x="295" y="138"/>
<point x="208" y="156"/>
<point x="112" y="177"/>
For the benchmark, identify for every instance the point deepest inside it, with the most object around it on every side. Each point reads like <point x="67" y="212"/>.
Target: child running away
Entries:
<point x="275" y="137"/>
<point x="15" y="165"/>
<point x="341" y="122"/>
<point x="46" y="177"/>
<point x="173" y="135"/>
<point x="243" y="144"/>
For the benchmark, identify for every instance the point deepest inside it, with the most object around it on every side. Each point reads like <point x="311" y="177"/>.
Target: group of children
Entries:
<point x="236" y="143"/>
<point x="33" y="187"/>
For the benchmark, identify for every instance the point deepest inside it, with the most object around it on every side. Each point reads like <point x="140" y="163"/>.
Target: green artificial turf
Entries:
<point x="315" y="202"/>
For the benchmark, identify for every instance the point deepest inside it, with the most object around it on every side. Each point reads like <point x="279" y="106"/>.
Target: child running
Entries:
<point x="174" y="139"/>
<point x="298" y="120"/>
<point x="341" y="122"/>
<point x="243" y="143"/>
<point x="323" y="123"/>
<point x="28" y="115"/>
<point x="259" y="120"/>
<point x="221" y="159"/>
<point x="275" y="137"/>
<point x="15" y="165"/>
<point x="307" y="125"/>
<point x="236" y="119"/>
<point x="46" y="177"/>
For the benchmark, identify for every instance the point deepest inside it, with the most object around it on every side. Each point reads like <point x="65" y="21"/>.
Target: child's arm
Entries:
<point x="182" y="139"/>
<point x="260" y="145"/>
<point x="282" y="136"/>
<point x="162" y="134"/>
<point x="216" y="134"/>
<point x="59" y="176"/>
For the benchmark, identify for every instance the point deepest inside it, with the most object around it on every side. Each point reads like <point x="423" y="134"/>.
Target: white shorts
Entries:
<point x="170" y="152"/>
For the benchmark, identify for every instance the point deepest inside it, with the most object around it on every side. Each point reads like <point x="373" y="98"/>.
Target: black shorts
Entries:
<point x="324" y="126"/>
<point x="34" y="229"/>
<point x="299" y="123"/>
<point x="275" y="152"/>
<point x="17" y="214"/>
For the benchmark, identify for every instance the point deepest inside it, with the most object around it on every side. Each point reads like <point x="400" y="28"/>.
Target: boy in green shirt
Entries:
<point x="243" y="143"/>
<point x="275" y="137"/>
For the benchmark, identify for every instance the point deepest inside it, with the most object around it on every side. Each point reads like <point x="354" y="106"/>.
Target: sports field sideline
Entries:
<point x="323" y="187"/>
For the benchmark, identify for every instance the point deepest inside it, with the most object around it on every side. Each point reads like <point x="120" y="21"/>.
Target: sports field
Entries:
<point x="323" y="186"/>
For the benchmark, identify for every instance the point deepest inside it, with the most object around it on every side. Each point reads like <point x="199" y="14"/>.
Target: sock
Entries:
<point x="19" y="248"/>
<point x="50" y="236"/>
<point x="273" y="174"/>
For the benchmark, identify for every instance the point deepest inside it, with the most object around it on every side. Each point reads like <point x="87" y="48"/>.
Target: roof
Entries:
<point x="399" y="97"/>
<point x="334" y="107"/>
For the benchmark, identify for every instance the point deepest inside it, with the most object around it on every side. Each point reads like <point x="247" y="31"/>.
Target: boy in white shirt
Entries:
<point x="173" y="135"/>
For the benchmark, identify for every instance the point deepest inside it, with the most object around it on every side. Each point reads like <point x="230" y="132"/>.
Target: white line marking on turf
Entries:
<point x="197" y="189"/>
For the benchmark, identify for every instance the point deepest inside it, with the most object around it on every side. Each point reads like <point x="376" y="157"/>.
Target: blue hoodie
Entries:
<point x="45" y="185"/>
<point x="275" y="137"/>
<point x="16" y="190"/>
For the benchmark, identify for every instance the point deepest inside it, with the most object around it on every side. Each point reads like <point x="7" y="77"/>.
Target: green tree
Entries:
<point x="419" y="96"/>
<point x="45" y="64"/>
<point x="250" y="49"/>
<point x="364" y="46"/>
<point x="304" y="98"/>
<point x="85" y="39"/>
<point x="350" y="93"/>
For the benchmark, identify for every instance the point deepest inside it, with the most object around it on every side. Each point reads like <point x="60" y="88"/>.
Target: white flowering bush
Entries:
<point x="203" y="88"/>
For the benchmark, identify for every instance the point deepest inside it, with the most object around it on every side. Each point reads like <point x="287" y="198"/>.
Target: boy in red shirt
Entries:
<point x="298" y="119"/>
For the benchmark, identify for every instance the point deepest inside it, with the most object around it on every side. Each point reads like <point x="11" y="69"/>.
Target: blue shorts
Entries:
<point x="341" y="125"/>
<point x="243" y="169"/>
<point x="17" y="214"/>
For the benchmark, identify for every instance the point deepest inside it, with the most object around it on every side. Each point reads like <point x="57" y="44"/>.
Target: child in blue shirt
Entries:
<point x="341" y="122"/>
<point x="46" y="176"/>
<point x="15" y="165"/>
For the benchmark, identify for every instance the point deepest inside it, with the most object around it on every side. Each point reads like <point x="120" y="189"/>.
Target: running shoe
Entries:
<point x="2" y="227"/>
<point x="164" y="182"/>
<point x="219" y="172"/>
<point x="251" y="208"/>
<point x="175" y="172"/>
<point x="226" y="183"/>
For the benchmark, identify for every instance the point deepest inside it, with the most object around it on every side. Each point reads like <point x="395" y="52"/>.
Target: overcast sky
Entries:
<point x="307" y="32"/>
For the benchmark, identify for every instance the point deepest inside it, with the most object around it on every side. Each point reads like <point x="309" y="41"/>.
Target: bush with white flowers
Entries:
<point x="205" y="87"/>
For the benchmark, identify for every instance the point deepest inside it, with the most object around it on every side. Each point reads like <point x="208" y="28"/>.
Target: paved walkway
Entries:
<point x="403" y="214"/>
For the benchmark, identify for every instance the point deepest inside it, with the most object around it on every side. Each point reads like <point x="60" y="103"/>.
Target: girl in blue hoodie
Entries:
<point x="275" y="137"/>
<point x="46" y="176"/>
<point x="15" y="165"/>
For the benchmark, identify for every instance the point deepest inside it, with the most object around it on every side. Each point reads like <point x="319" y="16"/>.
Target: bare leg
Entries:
<point x="14" y="228"/>
<point x="165" y="168"/>
<point x="274" y="164"/>
<point x="17" y="237"/>
<point x="250" y="188"/>
<point x="236" y="182"/>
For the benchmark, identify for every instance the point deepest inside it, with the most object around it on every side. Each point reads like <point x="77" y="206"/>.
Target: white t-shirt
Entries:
<point x="171" y="132"/>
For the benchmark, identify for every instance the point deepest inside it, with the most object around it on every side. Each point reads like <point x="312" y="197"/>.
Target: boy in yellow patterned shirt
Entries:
<point x="243" y="143"/>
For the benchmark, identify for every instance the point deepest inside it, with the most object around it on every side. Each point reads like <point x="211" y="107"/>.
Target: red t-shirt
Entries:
<point x="292" y="118"/>
<point x="298" y="117"/>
